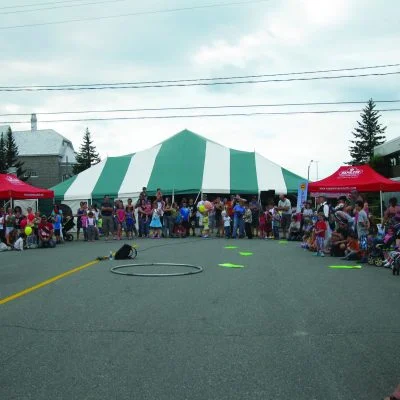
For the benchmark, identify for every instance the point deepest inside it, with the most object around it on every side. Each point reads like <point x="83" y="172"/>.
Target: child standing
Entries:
<point x="276" y="222"/>
<point x="91" y="228"/>
<point x="206" y="228"/>
<point x="120" y="214"/>
<point x="227" y="224"/>
<point x="320" y="230"/>
<point x="155" y="223"/>
<point x="84" y="223"/>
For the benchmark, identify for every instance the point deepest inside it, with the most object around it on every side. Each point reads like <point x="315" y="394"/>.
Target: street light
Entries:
<point x="308" y="170"/>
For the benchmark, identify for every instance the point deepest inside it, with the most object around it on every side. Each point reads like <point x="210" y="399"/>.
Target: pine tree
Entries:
<point x="11" y="155"/>
<point x="87" y="155"/>
<point x="368" y="134"/>
<point x="3" y="162"/>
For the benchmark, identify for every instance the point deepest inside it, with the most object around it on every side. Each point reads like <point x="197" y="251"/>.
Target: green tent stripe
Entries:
<point x="292" y="180"/>
<point x="111" y="177"/>
<point x="179" y="164"/>
<point x="61" y="188"/>
<point x="243" y="172"/>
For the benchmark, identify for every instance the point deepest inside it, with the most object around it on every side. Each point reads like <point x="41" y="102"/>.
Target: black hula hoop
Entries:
<point x="196" y="269"/>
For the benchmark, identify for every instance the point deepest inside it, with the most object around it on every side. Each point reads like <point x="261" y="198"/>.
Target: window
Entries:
<point x="31" y="173"/>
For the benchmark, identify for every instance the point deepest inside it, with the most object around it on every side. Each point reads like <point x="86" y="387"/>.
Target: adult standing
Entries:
<point x="219" y="207"/>
<point x="107" y="215"/>
<point x="168" y="226"/>
<point x="285" y="207"/>
<point x="192" y="219"/>
<point x="238" y="223"/>
<point x="247" y="218"/>
<point x="362" y="229"/>
<point x="255" y="214"/>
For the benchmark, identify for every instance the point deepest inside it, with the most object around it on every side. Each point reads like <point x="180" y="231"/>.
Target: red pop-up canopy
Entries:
<point x="362" y="178"/>
<point x="13" y="188"/>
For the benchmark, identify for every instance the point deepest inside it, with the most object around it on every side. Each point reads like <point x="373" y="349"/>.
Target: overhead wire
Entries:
<point x="205" y="79"/>
<point x="134" y="14"/>
<point x="252" y="114"/>
<point x="107" y="87"/>
<point x="196" y="108"/>
<point x="40" y="4"/>
<point x="61" y="6"/>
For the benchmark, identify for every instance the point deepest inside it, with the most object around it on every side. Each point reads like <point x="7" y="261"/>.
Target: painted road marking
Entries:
<point x="46" y="282"/>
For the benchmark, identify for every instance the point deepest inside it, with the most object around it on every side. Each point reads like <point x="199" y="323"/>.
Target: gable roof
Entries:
<point x="42" y="142"/>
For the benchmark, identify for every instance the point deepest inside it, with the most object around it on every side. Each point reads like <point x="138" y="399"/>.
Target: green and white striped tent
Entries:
<point x="185" y="163"/>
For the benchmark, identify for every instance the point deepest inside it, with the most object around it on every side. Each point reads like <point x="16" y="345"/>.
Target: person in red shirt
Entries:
<point x="320" y="230"/>
<point x="45" y="231"/>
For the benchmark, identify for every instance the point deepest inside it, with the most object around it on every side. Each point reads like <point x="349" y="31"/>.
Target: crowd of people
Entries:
<point x="350" y="231"/>
<point x="344" y="228"/>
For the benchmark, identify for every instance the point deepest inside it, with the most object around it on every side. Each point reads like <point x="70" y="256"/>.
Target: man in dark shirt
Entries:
<point x="107" y="215"/>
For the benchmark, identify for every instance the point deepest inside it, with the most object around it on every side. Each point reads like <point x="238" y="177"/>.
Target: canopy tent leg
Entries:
<point x="197" y="197"/>
<point x="380" y="199"/>
<point x="173" y="196"/>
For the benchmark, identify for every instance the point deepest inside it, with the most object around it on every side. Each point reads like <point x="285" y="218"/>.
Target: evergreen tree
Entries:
<point x="11" y="155"/>
<point x="368" y="134"/>
<point x="3" y="162"/>
<point x="87" y="155"/>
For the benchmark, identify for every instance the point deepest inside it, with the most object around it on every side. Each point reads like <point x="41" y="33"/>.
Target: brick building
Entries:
<point x="48" y="156"/>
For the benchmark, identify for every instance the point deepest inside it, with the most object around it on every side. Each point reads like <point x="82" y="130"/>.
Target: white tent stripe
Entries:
<point x="269" y="175"/>
<point x="85" y="182"/>
<point x="139" y="172"/>
<point x="217" y="166"/>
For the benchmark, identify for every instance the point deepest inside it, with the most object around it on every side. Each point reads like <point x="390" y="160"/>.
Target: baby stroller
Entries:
<point x="66" y="227"/>
<point x="380" y="249"/>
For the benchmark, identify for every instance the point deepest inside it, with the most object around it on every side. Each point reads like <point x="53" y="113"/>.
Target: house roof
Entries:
<point x="389" y="147"/>
<point x="41" y="142"/>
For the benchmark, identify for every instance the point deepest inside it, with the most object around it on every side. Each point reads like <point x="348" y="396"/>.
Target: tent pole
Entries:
<point x="197" y="197"/>
<point x="173" y="196"/>
<point x="380" y="197"/>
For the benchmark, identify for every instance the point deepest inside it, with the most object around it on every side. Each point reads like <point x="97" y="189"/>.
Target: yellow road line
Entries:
<point x="46" y="282"/>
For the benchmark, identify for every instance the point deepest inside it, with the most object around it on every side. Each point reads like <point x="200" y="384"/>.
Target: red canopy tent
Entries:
<point x="361" y="178"/>
<point x="13" y="188"/>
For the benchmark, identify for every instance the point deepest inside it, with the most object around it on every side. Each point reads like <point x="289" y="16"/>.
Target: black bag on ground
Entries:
<point x="124" y="253"/>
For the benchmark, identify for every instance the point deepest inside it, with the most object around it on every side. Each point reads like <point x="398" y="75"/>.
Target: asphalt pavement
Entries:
<point x="283" y="327"/>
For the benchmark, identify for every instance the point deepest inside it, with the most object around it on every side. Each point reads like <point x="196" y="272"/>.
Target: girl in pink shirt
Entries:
<point x="120" y="213"/>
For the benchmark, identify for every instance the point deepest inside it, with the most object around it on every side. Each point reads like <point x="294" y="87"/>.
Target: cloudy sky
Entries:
<point x="267" y="37"/>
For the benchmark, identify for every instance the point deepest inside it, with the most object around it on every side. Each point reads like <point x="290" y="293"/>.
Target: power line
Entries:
<point x="62" y="6"/>
<point x="40" y="4"/>
<point x="199" y="116"/>
<point x="27" y="89"/>
<point x="134" y="14"/>
<point x="197" y="108"/>
<point x="205" y="79"/>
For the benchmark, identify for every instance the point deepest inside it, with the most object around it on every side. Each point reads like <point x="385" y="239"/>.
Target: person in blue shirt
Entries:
<point x="185" y="213"/>
<point x="57" y="226"/>
<point x="238" y="223"/>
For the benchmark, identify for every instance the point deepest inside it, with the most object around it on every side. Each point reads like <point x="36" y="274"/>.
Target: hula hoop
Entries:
<point x="196" y="269"/>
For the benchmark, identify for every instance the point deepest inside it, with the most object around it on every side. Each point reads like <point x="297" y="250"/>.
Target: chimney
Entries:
<point x="33" y="123"/>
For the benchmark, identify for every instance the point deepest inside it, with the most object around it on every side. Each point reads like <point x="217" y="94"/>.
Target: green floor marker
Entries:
<point x="229" y="265"/>
<point x="345" y="266"/>
<point x="230" y="247"/>
<point x="245" y="253"/>
<point x="283" y="242"/>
